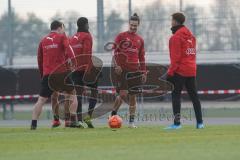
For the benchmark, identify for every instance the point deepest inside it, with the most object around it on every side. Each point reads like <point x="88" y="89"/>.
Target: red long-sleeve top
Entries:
<point x="53" y="51"/>
<point x="129" y="52"/>
<point x="182" y="47"/>
<point x="82" y="43"/>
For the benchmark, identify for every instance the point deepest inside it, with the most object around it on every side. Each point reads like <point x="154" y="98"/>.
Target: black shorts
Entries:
<point x="81" y="80"/>
<point x="130" y="81"/>
<point x="56" y="82"/>
<point x="45" y="90"/>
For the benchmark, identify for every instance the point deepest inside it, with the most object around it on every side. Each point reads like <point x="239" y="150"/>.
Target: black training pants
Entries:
<point x="190" y="84"/>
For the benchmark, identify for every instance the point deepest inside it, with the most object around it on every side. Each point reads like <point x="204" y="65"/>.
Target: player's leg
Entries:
<point x="121" y="89"/>
<point x="92" y="100"/>
<point x="117" y="103"/>
<point x="55" y="103"/>
<point x="55" y="109"/>
<point x="92" y="103"/>
<point x="192" y="91"/>
<point x="132" y="110"/>
<point x="178" y="82"/>
<point x="134" y="82"/>
<point x="37" y="110"/>
<point x="45" y="93"/>
<point x="67" y="112"/>
<point x="120" y="98"/>
<point x="79" y="108"/>
<point x="73" y="103"/>
<point x="77" y="78"/>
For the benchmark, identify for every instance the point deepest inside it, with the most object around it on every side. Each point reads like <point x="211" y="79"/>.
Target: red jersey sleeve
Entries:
<point x="68" y="49"/>
<point x="142" y="58"/>
<point x="175" y="54"/>
<point x="87" y="45"/>
<point x="87" y="50"/>
<point x="116" y="56"/>
<point x="40" y="59"/>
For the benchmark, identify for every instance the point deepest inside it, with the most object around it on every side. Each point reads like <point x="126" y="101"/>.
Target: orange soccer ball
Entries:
<point x="115" y="121"/>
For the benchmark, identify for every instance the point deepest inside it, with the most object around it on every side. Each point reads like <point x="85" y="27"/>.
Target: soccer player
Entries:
<point x="82" y="43"/>
<point x="54" y="50"/>
<point x="182" y="70"/>
<point x="129" y="55"/>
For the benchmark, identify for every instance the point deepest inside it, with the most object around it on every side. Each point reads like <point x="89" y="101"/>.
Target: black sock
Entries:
<point x="34" y="124"/>
<point x="177" y="118"/>
<point x="131" y="118"/>
<point x="79" y="117"/>
<point x="92" y="104"/>
<point x="56" y="117"/>
<point x="67" y="116"/>
<point x="79" y="109"/>
<point x="114" y="113"/>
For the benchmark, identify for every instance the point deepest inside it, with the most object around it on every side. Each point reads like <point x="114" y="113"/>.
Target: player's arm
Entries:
<point x="142" y="62"/>
<point x="69" y="53"/>
<point x="175" y="54"/>
<point x="40" y="59"/>
<point x="116" y="55"/>
<point x="87" y="50"/>
<point x="117" y="50"/>
<point x="142" y="58"/>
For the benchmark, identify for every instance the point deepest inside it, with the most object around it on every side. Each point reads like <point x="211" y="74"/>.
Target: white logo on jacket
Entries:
<point x="190" y="41"/>
<point x="191" y="51"/>
<point x="49" y="38"/>
<point x="51" y="46"/>
<point x="75" y="37"/>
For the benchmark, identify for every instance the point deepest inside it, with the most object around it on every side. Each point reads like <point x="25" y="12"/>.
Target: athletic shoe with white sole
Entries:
<point x="88" y="121"/>
<point x="173" y="127"/>
<point x="200" y="126"/>
<point x="132" y="125"/>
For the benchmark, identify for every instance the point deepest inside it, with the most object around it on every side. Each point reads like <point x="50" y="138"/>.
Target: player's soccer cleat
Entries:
<point x="132" y="125"/>
<point x="75" y="124"/>
<point x="33" y="128"/>
<point x="200" y="126"/>
<point x="88" y="121"/>
<point x="56" y="123"/>
<point x="173" y="127"/>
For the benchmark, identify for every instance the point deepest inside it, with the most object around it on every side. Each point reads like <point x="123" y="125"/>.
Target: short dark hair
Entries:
<point x="179" y="17"/>
<point x="135" y="17"/>
<point x="82" y="21"/>
<point x="55" y="25"/>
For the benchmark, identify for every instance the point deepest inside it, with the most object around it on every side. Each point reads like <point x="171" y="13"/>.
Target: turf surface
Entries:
<point x="143" y="143"/>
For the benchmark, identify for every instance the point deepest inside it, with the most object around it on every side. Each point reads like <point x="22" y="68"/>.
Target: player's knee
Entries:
<point x="123" y="94"/>
<point x="42" y="100"/>
<point x="132" y="108"/>
<point x="119" y="99"/>
<point x="75" y="101"/>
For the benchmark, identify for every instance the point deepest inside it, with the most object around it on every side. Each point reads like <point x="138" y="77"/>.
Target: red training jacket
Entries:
<point x="53" y="51"/>
<point x="81" y="44"/>
<point x="182" y="47"/>
<point x="129" y="52"/>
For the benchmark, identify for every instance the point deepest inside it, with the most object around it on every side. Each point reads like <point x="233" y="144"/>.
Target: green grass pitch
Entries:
<point x="101" y="143"/>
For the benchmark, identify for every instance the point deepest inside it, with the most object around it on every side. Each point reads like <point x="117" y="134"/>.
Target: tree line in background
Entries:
<point x="217" y="30"/>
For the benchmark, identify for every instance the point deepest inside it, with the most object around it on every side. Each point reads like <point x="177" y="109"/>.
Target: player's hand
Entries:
<point x="71" y="65"/>
<point x="169" y="78"/>
<point x="144" y="78"/>
<point x="118" y="70"/>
